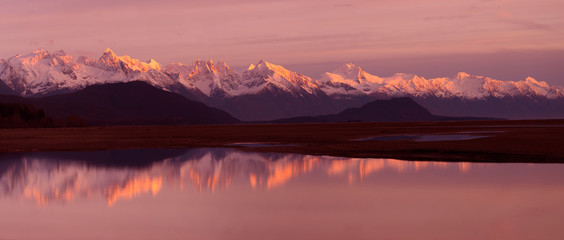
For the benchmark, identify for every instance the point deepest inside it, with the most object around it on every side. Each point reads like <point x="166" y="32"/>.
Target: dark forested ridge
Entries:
<point x="133" y="103"/>
<point x="17" y="115"/>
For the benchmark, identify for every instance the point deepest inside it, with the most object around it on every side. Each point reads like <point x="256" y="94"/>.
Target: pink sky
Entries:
<point x="375" y="33"/>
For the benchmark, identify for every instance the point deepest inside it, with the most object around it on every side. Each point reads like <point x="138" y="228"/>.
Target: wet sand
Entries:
<point x="537" y="141"/>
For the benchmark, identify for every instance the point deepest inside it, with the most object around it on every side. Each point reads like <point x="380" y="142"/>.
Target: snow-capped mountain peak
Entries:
<point x="203" y="67"/>
<point x="349" y="79"/>
<point x="266" y="70"/>
<point x="221" y="66"/>
<point x="38" y="55"/>
<point x="265" y="74"/>
<point x="462" y="75"/>
<point x="349" y="70"/>
<point x="43" y="72"/>
<point x="108" y="51"/>
<point x="109" y="60"/>
<point x="208" y="67"/>
<point x="266" y="67"/>
<point x="177" y="68"/>
<point x="154" y="64"/>
<point x="209" y="78"/>
<point x="353" y="72"/>
<point x="39" y="71"/>
<point x="109" y="57"/>
<point x="138" y="65"/>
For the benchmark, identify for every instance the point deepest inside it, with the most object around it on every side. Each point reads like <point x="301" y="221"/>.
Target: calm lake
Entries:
<point x="230" y="194"/>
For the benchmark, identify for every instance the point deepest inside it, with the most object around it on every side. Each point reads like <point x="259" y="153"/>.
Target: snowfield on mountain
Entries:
<point x="42" y="73"/>
<point x="263" y="84"/>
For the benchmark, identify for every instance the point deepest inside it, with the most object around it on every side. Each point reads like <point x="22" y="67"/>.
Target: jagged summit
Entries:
<point x="222" y="66"/>
<point x="265" y="74"/>
<point x="263" y="65"/>
<point x="348" y="67"/>
<point x="109" y="57"/>
<point x="153" y="62"/>
<point x="38" y="55"/>
<point x="42" y="72"/>
<point x="40" y="51"/>
<point x="209" y="78"/>
<point x="349" y="79"/>
<point x="265" y="90"/>
<point x="60" y="53"/>
<point x="109" y="51"/>
<point x="265" y="68"/>
<point x="462" y="75"/>
<point x="110" y="61"/>
<point x="203" y="66"/>
<point x="351" y="71"/>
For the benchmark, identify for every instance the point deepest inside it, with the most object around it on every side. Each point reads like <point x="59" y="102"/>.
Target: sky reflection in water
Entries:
<point x="228" y="194"/>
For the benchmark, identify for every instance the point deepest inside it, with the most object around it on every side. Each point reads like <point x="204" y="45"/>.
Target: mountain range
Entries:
<point x="266" y="91"/>
<point x="123" y="174"/>
<point x="139" y="103"/>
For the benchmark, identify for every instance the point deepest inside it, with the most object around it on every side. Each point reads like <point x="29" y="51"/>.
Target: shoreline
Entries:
<point x="528" y="141"/>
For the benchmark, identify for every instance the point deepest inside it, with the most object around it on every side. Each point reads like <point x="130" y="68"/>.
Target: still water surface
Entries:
<point x="229" y="194"/>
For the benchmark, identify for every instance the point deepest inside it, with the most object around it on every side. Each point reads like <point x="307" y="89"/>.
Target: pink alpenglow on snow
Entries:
<point x="42" y="72"/>
<point x="463" y="35"/>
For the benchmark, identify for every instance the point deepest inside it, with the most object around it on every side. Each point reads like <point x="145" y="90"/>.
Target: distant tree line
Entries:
<point x="20" y="115"/>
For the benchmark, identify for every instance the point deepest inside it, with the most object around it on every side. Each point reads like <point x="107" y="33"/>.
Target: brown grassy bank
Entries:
<point x="507" y="141"/>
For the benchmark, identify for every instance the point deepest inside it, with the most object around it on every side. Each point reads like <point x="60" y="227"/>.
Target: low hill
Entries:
<point x="393" y="110"/>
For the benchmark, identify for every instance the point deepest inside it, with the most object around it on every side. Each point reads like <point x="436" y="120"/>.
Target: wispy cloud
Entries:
<point x="523" y="23"/>
<point x="345" y="37"/>
<point x="315" y="30"/>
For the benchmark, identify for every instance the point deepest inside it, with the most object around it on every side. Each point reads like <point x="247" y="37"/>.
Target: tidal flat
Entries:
<point x="534" y="141"/>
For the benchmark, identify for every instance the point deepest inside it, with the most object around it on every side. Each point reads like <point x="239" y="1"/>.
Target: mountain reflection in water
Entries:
<point x="64" y="177"/>
<point x="213" y="194"/>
